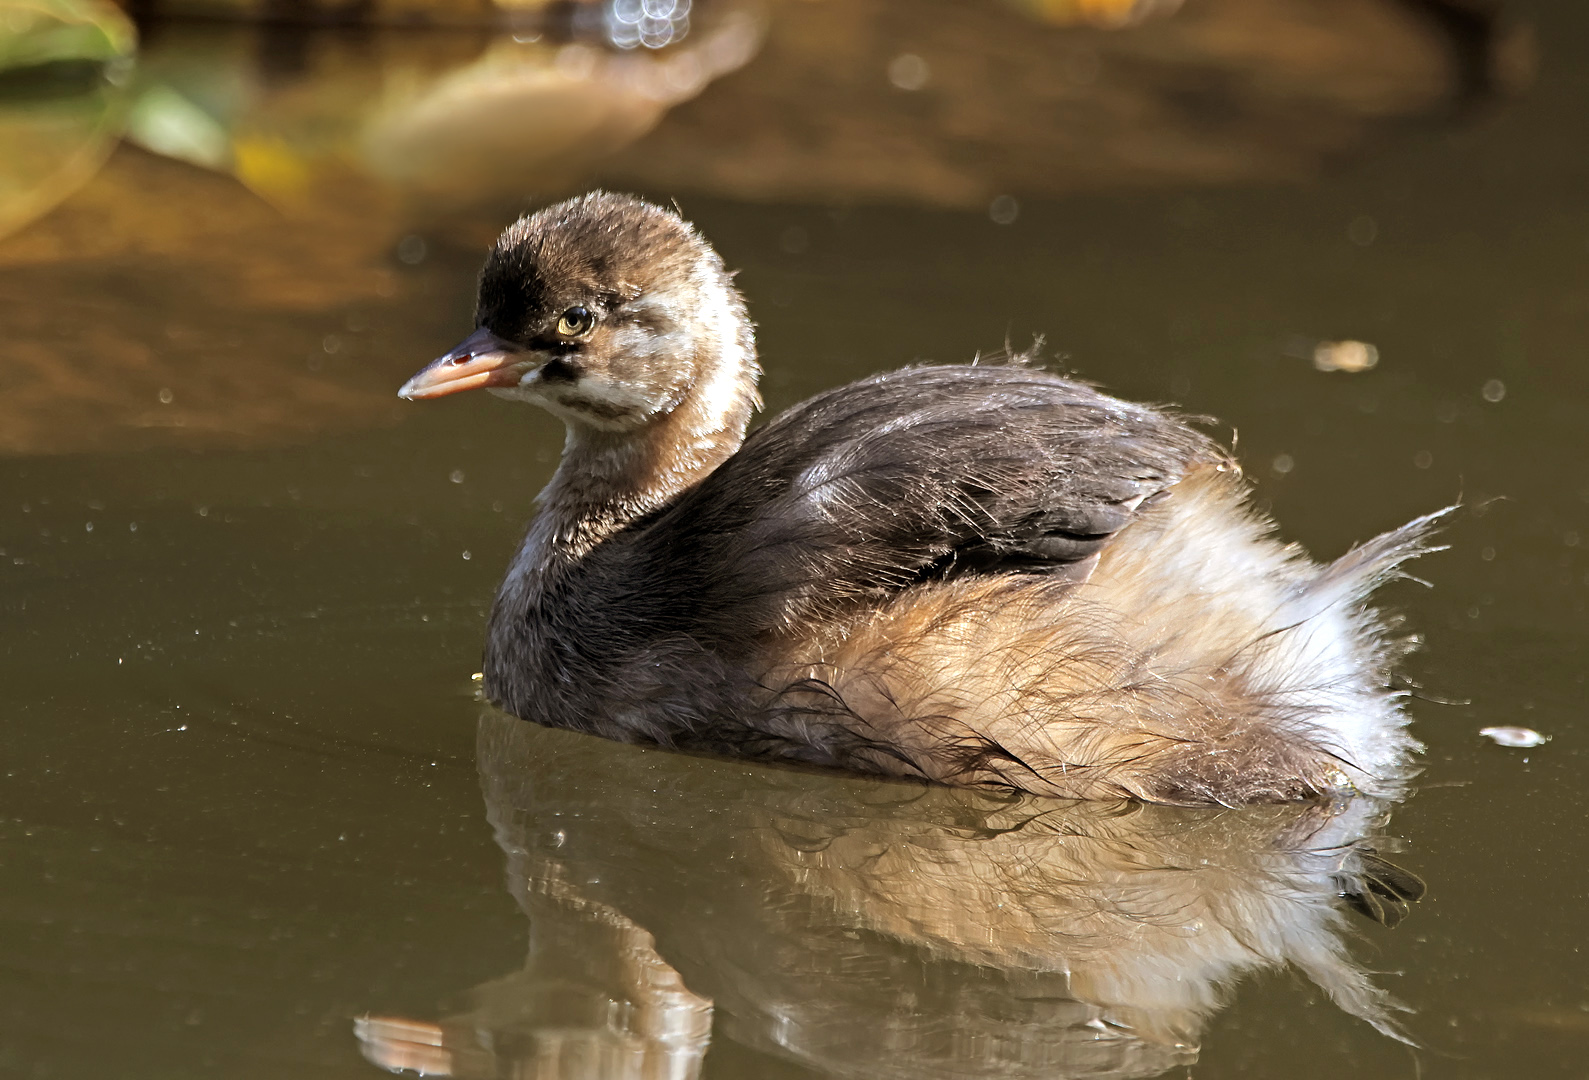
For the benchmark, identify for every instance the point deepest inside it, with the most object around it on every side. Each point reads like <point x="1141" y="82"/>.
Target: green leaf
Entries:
<point x="38" y="32"/>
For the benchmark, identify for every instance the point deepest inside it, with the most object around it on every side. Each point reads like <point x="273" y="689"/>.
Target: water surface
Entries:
<point x="249" y="796"/>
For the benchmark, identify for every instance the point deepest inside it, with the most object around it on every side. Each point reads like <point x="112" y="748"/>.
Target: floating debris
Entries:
<point x="1104" y="14"/>
<point x="1351" y="356"/>
<point x="1520" y="737"/>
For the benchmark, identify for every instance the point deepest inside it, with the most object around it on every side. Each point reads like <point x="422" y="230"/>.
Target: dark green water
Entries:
<point x="241" y="802"/>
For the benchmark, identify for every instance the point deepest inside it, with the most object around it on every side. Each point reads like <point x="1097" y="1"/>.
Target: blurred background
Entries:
<point x="244" y="587"/>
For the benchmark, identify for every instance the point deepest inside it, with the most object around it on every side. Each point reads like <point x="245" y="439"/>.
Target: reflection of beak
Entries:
<point x="481" y="359"/>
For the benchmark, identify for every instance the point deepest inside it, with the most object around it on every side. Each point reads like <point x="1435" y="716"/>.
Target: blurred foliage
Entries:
<point x="38" y="32"/>
<point x="63" y="64"/>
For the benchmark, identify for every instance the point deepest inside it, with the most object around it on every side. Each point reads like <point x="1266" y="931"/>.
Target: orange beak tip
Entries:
<point x="482" y="359"/>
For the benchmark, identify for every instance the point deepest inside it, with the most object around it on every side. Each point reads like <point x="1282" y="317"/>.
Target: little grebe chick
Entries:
<point x="982" y="574"/>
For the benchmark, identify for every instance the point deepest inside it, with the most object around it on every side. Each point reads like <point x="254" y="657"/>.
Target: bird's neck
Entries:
<point x="606" y="480"/>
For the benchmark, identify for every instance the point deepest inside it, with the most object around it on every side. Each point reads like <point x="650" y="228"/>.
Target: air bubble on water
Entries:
<point x="1004" y="210"/>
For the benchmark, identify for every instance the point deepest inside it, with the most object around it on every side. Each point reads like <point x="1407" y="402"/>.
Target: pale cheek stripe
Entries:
<point x="721" y="392"/>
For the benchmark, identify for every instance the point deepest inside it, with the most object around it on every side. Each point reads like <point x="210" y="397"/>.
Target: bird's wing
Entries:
<point x="914" y="475"/>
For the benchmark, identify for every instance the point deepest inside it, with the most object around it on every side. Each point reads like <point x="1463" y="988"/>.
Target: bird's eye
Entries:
<point x="575" y="322"/>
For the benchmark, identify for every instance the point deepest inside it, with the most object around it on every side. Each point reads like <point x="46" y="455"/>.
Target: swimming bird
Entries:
<point x="978" y="574"/>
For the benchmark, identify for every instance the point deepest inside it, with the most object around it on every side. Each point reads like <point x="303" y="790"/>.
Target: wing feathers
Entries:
<point x="921" y="473"/>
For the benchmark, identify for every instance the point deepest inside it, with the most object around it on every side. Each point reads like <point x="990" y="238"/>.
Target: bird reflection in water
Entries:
<point x="878" y="929"/>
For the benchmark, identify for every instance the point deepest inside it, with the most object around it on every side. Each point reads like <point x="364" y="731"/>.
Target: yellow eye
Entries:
<point x="575" y="322"/>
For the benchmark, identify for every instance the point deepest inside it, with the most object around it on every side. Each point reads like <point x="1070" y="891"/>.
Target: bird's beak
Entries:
<point x="481" y="359"/>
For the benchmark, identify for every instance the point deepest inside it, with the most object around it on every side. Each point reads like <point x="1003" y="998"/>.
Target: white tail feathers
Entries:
<point x="1352" y="577"/>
